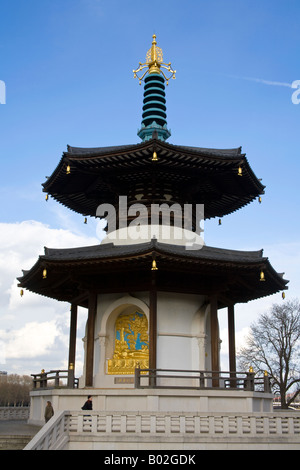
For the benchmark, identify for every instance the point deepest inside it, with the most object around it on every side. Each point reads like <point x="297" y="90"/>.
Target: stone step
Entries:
<point x="14" y="442"/>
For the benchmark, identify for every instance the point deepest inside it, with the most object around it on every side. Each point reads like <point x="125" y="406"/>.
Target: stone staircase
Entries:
<point x="15" y="432"/>
<point x="14" y="442"/>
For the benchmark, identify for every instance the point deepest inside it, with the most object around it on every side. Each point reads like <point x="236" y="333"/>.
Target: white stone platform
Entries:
<point x="150" y="400"/>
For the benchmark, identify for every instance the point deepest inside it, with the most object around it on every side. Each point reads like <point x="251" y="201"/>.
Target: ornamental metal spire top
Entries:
<point x="154" y="63"/>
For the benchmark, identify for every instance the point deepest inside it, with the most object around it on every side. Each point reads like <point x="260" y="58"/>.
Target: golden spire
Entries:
<point x="154" y="63"/>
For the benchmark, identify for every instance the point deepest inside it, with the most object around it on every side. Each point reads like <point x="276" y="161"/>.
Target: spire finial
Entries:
<point x="154" y="63"/>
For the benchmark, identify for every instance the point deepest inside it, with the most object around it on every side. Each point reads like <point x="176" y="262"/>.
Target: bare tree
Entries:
<point x="15" y="389"/>
<point x="274" y="345"/>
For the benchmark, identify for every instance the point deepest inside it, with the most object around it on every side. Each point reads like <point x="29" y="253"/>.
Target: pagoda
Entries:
<point x="152" y="290"/>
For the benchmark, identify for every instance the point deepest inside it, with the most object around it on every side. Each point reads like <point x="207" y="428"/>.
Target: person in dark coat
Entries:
<point x="88" y="404"/>
<point x="49" y="412"/>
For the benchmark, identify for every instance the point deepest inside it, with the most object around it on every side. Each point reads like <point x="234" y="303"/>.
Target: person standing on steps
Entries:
<point x="49" y="412"/>
<point x="88" y="404"/>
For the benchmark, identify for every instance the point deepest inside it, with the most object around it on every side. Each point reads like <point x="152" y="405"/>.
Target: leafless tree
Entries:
<point x="15" y="389"/>
<point x="274" y="345"/>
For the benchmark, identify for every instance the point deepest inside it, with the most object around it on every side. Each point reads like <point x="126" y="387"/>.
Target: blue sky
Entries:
<point x="67" y="66"/>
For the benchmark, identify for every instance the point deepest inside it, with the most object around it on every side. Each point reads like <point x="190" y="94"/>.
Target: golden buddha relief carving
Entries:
<point x="131" y="344"/>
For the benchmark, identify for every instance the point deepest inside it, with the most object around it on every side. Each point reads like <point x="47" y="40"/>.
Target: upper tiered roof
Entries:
<point x="221" y="179"/>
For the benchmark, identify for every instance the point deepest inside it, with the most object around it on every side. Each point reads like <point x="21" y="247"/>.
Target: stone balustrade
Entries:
<point x="8" y="413"/>
<point x="167" y="430"/>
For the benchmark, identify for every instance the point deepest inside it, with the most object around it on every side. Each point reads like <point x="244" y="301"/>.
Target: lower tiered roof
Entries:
<point x="234" y="276"/>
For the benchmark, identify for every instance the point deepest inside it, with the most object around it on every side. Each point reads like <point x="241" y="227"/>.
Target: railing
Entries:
<point x="8" y="413"/>
<point x="54" y="379"/>
<point x="176" y="378"/>
<point x="53" y="435"/>
<point x="272" y="429"/>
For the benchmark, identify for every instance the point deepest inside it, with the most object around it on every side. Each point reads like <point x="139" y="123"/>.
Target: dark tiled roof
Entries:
<point x="230" y="153"/>
<point x="190" y="174"/>
<point x="109" y="250"/>
<point x="98" y="150"/>
<point x="233" y="274"/>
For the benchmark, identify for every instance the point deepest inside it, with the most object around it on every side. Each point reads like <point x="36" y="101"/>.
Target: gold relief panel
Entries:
<point x="131" y="344"/>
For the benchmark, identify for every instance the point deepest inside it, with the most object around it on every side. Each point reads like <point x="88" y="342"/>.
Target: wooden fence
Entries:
<point x="54" y="379"/>
<point x="197" y="379"/>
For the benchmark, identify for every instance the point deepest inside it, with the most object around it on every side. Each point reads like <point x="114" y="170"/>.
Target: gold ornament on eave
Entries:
<point x="154" y="267"/>
<point x="262" y="276"/>
<point x="154" y="63"/>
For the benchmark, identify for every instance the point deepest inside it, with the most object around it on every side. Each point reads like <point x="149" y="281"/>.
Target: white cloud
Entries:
<point x="2" y="352"/>
<point x="268" y="82"/>
<point x="239" y="339"/>
<point x="33" y="339"/>
<point x="32" y="326"/>
<point x="265" y="82"/>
